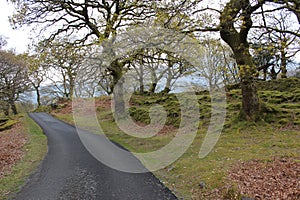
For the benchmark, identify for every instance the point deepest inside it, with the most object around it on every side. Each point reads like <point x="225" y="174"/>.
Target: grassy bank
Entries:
<point x="275" y="135"/>
<point x="240" y="142"/>
<point x="35" y="150"/>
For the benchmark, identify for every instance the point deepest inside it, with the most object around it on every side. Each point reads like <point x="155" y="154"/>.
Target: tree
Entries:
<point x="234" y="24"/>
<point x="13" y="79"/>
<point x="36" y="73"/>
<point x="62" y="61"/>
<point x="290" y="5"/>
<point x="277" y="49"/>
<point x="264" y="56"/>
<point x="93" y="79"/>
<point x="92" y="22"/>
<point x="157" y="66"/>
<point x="236" y="38"/>
<point x="218" y="67"/>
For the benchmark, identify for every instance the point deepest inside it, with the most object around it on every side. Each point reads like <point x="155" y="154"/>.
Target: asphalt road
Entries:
<point x="69" y="171"/>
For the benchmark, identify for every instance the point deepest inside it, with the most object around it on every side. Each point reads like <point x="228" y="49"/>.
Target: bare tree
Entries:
<point x="276" y="49"/>
<point x="62" y="61"/>
<point x="218" y="68"/>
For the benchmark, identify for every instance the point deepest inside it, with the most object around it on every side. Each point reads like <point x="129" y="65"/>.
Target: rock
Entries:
<point x="202" y="185"/>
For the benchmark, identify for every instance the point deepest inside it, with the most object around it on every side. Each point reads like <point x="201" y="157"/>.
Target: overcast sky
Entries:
<point x="17" y="39"/>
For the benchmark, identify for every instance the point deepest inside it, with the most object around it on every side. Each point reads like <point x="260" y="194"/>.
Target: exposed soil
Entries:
<point x="12" y="142"/>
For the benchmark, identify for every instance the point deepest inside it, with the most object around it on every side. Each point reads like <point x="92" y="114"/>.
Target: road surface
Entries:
<point x="69" y="171"/>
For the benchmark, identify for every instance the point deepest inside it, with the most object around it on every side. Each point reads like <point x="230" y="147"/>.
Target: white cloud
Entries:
<point x="17" y="39"/>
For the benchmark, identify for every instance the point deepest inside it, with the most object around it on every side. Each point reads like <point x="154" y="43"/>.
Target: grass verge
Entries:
<point x="35" y="150"/>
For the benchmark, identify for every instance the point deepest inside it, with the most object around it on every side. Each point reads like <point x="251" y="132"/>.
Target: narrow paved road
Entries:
<point x="69" y="171"/>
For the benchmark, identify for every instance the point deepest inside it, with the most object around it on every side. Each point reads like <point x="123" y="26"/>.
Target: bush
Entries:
<point x="43" y="109"/>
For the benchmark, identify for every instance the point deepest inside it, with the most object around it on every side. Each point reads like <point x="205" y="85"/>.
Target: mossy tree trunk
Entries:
<point x="283" y="64"/>
<point x="237" y="40"/>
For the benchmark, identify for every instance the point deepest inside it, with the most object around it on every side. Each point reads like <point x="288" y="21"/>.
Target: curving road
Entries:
<point x="69" y="171"/>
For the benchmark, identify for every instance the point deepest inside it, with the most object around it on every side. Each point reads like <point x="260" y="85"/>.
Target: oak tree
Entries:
<point x="13" y="80"/>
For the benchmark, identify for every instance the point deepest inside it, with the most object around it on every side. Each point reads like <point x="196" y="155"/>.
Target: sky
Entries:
<point x="17" y="39"/>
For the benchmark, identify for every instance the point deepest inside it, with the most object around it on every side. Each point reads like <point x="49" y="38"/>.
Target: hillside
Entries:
<point x="254" y="159"/>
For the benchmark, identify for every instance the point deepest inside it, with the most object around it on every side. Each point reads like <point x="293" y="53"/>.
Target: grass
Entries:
<point x="36" y="149"/>
<point x="276" y="135"/>
<point x="236" y="144"/>
<point x="242" y="141"/>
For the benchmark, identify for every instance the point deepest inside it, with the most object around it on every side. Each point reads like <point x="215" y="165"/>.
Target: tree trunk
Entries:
<point x="141" y="88"/>
<point x="250" y="100"/>
<point x="152" y="87"/>
<point x="283" y="64"/>
<point x="118" y="99"/>
<point x="141" y="79"/>
<point x="237" y="40"/>
<point x="273" y="74"/>
<point x="6" y="109"/>
<point x="167" y="88"/>
<point x="117" y="88"/>
<point x="71" y="77"/>
<point x="13" y="107"/>
<point x="141" y="82"/>
<point x="265" y="71"/>
<point x="71" y="89"/>
<point x="38" y="96"/>
<point x="154" y="81"/>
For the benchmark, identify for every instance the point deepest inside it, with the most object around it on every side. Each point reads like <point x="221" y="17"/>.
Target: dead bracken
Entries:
<point x="12" y="142"/>
<point x="276" y="179"/>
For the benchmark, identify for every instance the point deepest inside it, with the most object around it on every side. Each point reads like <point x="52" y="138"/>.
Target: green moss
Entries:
<point x="296" y="96"/>
<point x="283" y="121"/>
<point x="234" y="106"/>
<point x="269" y="108"/>
<point x="203" y="98"/>
<point x="140" y="114"/>
<point x="282" y="85"/>
<point x="290" y="106"/>
<point x="297" y="122"/>
<point x="235" y="94"/>
<point x="7" y="124"/>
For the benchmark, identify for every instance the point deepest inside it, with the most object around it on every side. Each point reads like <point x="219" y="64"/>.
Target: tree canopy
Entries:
<point x="13" y="80"/>
<point x="241" y="24"/>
